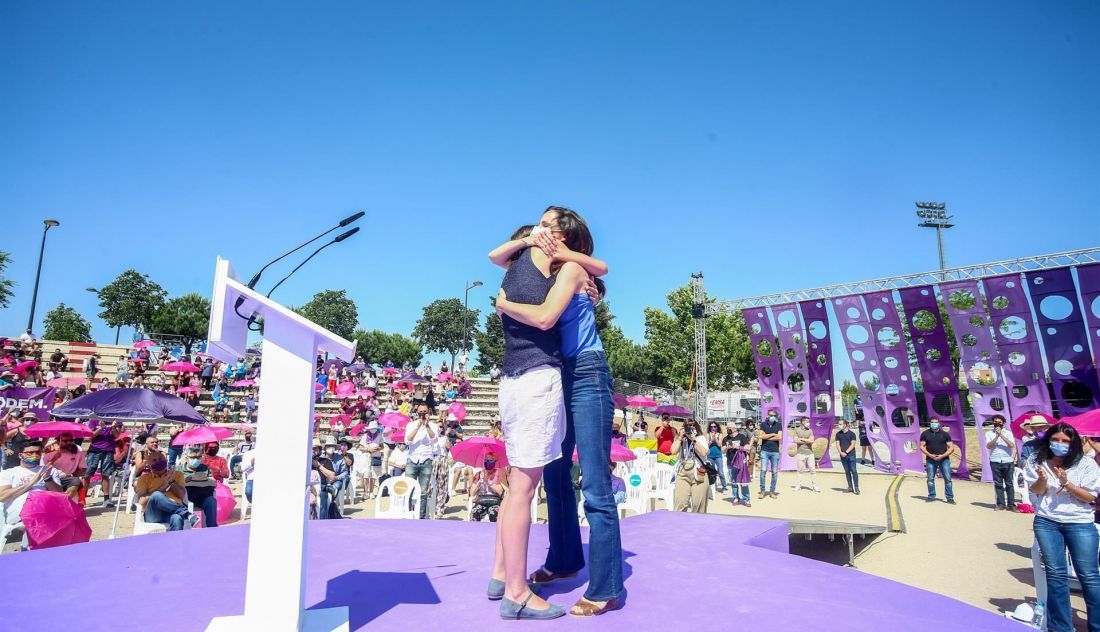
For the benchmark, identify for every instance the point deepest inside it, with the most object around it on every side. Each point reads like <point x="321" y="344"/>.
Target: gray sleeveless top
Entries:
<point x="527" y="347"/>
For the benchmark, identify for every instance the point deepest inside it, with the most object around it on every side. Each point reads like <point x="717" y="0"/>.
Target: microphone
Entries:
<point x="344" y="222"/>
<point x="337" y="240"/>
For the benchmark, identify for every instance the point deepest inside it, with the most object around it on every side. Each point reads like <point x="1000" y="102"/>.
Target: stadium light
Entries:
<point x="934" y="215"/>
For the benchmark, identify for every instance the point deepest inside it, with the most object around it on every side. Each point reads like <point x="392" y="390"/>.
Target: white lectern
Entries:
<point x="275" y="584"/>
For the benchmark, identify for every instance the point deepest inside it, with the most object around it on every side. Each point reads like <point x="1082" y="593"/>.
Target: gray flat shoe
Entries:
<point x="516" y="611"/>
<point x="495" y="591"/>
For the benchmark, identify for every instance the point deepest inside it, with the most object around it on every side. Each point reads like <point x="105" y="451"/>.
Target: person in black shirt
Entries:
<point x="936" y="446"/>
<point x="771" y="434"/>
<point x="846" y="444"/>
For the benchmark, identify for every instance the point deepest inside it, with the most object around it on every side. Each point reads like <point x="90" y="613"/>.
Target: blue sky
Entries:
<point x="771" y="145"/>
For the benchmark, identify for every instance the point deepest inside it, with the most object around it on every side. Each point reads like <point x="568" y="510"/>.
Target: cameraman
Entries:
<point x="690" y="492"/>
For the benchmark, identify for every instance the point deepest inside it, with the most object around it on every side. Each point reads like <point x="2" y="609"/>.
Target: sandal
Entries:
<point x="543" y="576"/>
<point x="586" y="608"/>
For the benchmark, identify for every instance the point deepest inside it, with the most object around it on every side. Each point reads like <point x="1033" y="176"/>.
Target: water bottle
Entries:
<point x="1038" y="620"/>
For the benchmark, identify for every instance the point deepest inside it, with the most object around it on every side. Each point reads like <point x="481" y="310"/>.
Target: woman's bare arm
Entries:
<point x="545" y="315"/>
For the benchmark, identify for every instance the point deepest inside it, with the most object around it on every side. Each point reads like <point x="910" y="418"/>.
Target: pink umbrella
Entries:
<point x="472" y="451"/>
<point x="345" y="389"/>
<point x="66" y="382"/>
<point x="22" y="367"/>
<point x="236" y="426"/>
<point x="393" y="420"/>
<point x="242" y="383"/>
<point x="1088" y="424"/>
<point x="341" y="418"/>
<point x="1017" y="425"/>
<point x="202" y="434"/>
<point x="180" y="367"/>
<point x="55" y="428"/>
<point x="398" y="437"/>
<point x="188" y="389"/>
<point x="619" y="453"/>
<point x="53" y="519"/>
<point x="641" y="401"/>
<point x="364" y="393"/>
<point x="389" y="370"/>
<point x="458" y="410"/>
<point x="357" y="430"/>
<point x="443" y="376"/>
<point x="318" y="386"/>
<point x="226" y="502"/>
<point x="141" y="344"/>
<point x="204" y="355"/>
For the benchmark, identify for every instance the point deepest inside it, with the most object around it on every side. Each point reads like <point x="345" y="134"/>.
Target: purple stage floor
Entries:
<point x="683" y="571"/>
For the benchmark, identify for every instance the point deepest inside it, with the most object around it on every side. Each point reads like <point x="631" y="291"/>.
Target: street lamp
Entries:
<point x="934" y="215"/>
<point x="49" y="223"/>
<point x="465" y="312"/>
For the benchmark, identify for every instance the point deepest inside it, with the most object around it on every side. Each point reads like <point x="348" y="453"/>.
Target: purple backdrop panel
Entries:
<point x="938" y="380"/>
<point x="819" y="355"/>
<point x="978" y="357"/>
<point x="1065" y="339"/>
<point x="764" y="355"/>
<point x="792" y="357"/>
<point x="1022" y="361"/>
<point x="855" y="330"/>
<point x="897" y="380"/>
<point x="1088" y="277"/>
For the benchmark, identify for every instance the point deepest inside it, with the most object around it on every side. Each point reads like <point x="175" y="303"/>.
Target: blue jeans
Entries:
<point x="769" y="461"/>
<point x="326" y="499"/>
<point x="589" y="408"/>
<point x="209" y="509"/>
<point x="848" y="462"/>
<point x="1082" y="541"/>
<point x="248" y="490"/>
<point x="944" y="467"/>
<point x="422" y="472"/>
<point x="740" y="492"/>
<point x="718" y="462"/>
<point x="174" y="453"/>
<point x="163" y="510"/>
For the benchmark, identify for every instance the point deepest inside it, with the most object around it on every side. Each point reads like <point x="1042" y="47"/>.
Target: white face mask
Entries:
<point x="539" y="230"/>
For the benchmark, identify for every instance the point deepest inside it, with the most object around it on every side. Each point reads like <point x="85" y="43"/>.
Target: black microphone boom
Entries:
<point x="344" y="222"/>
<point x="337" y="240"/>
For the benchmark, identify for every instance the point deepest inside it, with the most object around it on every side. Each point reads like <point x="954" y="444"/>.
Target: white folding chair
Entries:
<point x="243" y="505"/>
<point x="404" y="492"/>
<point x="141" y="527"/>
<point x="9" y="531"/>
<point x="130" y="493"/>
<point x="452" y="476"/>
<point x="664" y="483"/>
<point x="637" y="495"/>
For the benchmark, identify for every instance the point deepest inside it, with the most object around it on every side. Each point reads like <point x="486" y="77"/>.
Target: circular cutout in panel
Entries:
<point x="756" y="328"/>
<point x="800" y="407"/>
<point x="858" y="355"/>
<point x="946" y="380"/>
<point x="759" y="314"/>
<point x="1095" y="306"/>
<point x="875" y="427"/>
<point x="764" y="349"/>
<point x="874" y="362"/>
<point x="999" y="302"/>
<point x="986" y="355"/>
<point x="878" y="313"/>
<point x="1010" y="284"/>
<point x="821" y="359"/>
<point x="924" y="292"/>
<point x="768" y="397"/>
<point x="790" y="354"/>
<point x="1063" y="367"/>
<point x="1013" y="328"/>
<point x="901" y="417"/>
<point x="852" y="312"/>
<point x="881" y="411"/>
<point x="892" y="389"/>
<point x="983" y="373"/>
<point x="822" y="403"/>
<point x="796" y="382"/>
<point x="818" y="329"/>
<point x="904" y="378"/>
<point x="996" y="403"/>
<point x="1051" y="331"/>
<point x="969" y="340"/>
<point x="888" y="338"/>
<point x="891" y="362"/>
<point x="882" y="451"/>
<point x="962" y="300"/>
<point x="933" y="354"/>
<point x="1016" y="358"/>
<point x="1077" y="394"/>
<point x="943" y="404"/>
<point x="786" y="319"/>
<point x="828" y="382"/>
<point x="1056" y="307"/>
<point x="977" y="321"/>
<point x="857" y="334"/>
<point x="924" y="320"/>
<point x="1019" y="391"/>
<point x="869" y="380"/>
<point x="1078" y="348"/>
<point x="1037" y="280"/>
<point x="766" y="371"/>
<point x="909" y="446"/>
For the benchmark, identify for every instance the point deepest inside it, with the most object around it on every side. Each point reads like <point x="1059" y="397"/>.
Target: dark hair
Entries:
<point x="32" y="444"/>
<point x="996" y="418"/>
<point x="715" y="424"/>
<point x="577" y="237"/>
<point x="1076" y="449"/>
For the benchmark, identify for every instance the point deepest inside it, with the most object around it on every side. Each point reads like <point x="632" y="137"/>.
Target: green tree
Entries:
<point x="377" y="347"/>
<point x="185" y="317"/>
<point x="6" y="285"/>
<point x="441" y="327"/>
<point x="333" y="310"/>
<point x="490" y="343"/>
<point x="64" y="323"/>
<point x="131" y="299"/>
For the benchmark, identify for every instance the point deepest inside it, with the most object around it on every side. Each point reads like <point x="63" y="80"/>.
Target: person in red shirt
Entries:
<point x="666" y="434"/>
<point x="219" y="469"/>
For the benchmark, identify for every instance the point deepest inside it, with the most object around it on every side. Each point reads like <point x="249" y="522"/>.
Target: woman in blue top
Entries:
<point x="589" y="409"/>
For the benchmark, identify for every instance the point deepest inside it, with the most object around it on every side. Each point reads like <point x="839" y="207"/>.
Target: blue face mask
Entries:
<point x="194" y="464"/>
<point x="1059" y="449"/>
<point x="934" y="426"/>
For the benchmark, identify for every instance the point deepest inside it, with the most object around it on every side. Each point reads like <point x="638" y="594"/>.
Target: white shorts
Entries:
<point x="532" y="416"/>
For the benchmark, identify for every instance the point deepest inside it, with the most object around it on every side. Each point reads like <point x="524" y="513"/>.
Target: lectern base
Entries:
<point x="320" y="620"/>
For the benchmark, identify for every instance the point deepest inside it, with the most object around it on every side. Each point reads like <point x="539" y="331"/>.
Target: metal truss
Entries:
<point x="699" y="313"/>
<point x="997" y="268"/>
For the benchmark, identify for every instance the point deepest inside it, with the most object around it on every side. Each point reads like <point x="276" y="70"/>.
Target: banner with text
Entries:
<point x="37" y="400"/>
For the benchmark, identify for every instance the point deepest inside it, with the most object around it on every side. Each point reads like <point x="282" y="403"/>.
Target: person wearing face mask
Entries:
<point x="936" y="446"/>
<point x="200" y="484"/>
<point x="487" y="488"/>
<point x="16" y="438"/>
<point x="334" y="477"/>
<point x="1065" y="484"/>
<point x="804" y="454"/>
<point x="219" y="469"/>
<point x="16" y="483"/>
<point x="771" y="435"/>
<point x="69" y="465"/>
<point x="1002" y="458"/>
<point x="370" y="458"/>
<point x="421" y="436"/>
<point x="846" y="446"/>
<point x="1034" y="429"/>
<point x="162" y="495"/>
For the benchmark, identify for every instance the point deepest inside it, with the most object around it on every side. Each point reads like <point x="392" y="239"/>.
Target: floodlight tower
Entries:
<point x="934" y="215"/>
<point x="699" y="315"/>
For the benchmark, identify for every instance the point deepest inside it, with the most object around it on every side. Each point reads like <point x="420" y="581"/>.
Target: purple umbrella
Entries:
<point x="672" y="411"/>
<point x="619" y="400"/>
<point x="358" y="367"/>
<point x="338" y="362"/>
